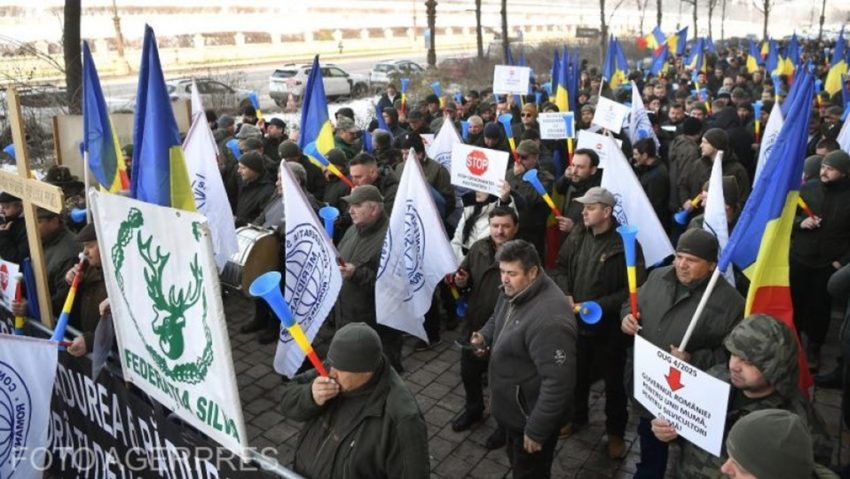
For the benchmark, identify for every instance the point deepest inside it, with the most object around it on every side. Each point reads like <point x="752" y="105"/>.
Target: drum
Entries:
<point x="259" y="252"/>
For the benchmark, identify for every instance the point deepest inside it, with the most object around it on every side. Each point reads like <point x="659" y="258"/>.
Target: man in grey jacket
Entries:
<point x="531" y="339"/>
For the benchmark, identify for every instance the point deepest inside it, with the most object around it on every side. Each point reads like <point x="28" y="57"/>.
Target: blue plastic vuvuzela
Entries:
<point x="267" y="286"/>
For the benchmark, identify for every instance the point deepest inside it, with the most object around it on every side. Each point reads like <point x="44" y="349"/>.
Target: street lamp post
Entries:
<point x="431" y="9"/>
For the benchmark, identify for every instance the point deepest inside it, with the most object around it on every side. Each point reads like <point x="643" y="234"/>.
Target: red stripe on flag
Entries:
<point x="553" y="244"/>
<point x="776" y="301"/>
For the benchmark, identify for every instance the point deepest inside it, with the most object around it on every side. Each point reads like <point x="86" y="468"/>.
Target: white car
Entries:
<point x="384" y="72"/>
<point x="292" y="79"/>
<point x="214" y="94"/>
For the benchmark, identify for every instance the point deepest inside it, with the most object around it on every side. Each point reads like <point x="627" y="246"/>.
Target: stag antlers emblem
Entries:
<point x="170" y="311"/>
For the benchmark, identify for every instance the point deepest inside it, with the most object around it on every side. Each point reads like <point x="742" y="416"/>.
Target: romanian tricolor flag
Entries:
<point x="773" y="61"/>
<point x="761" y="240"/>
<point x="696" y="59"/>
<point x="556" y="73"/>
<point x="676" y="42"/>
<point x="655" y="39"/>
<point x="838" y="67"/>
<point x="659" y="64"/>
<point x="316" y="126"/>
<point x="615" y="66"/>
<point x="754" y="59"/>
<point x="159" y="170"/>
<point x="562" y="92"/>
<point x="100" y="141"/>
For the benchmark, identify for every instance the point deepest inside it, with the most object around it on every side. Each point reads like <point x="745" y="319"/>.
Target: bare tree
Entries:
<point x="73" y="53"/>
<point x="822" y="18"/>
<point x="479" y="38"/>
<point x="711" y="5"/>
<point x="642" y="6"/>
<point x="764" y="8"/>
<point x="658" y="12"/>
<point x="604" y="23"/>
<point x="723" y="20"/>
<point x="123" y="66"/>
<point x="695" y="3"/>
<point x="506" y="43"/>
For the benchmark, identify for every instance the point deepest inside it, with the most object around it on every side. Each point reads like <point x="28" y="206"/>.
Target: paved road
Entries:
<point x="257" y="77"/>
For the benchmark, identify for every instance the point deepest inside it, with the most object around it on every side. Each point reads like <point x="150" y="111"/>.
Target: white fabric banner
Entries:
<point x="639" y="125"/>
<point x="201" y="154"/>
<point x="440" y="149"/>
<point x="633" y="207"/>
<point x="166" y="307"/>
<point x="415" y="257"/>
<point x="27" y="371"/>
<point x="844" y="134"/>
<point x="714" y="219"/>
<point x="312" y="277"/>
<point x="596" y="142"/>
<point x="768" y="138"/>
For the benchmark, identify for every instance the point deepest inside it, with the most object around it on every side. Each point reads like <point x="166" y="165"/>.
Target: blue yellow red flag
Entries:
<point x="315" y="123"/>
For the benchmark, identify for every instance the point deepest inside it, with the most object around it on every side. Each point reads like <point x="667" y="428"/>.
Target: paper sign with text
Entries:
<point x="595" y="142"/>
<point x="610" y="115"/>
<point x="691" y="400"/>
<point x="553" y="126"/>
<point x="479" y="169"/>
<point x="511" y="79"/>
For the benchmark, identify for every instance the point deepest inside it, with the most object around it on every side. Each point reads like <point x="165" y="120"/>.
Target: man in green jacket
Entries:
<point x="361" y="421"/>
<point x="360" y="251"/>
<point x="666" y="303"/>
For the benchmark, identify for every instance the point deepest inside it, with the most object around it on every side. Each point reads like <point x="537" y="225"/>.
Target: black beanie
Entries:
<point x="253" y="160"/>
<point x="691" y="126"/>
<point x="839" y="160"/>
<point x="717" y="138"/>
<point x="493" y="131"/>
<point x="356" y="348"/>
<point x="699" y="243"/>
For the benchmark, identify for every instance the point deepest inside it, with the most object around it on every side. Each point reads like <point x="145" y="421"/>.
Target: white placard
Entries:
<point x="8" y="272"/>
<point x="479" y="169"/>
<point x="690" y="399"/>
<point x="610" y="115"/>
<point x="595" y="142"/>
<point x="511" y="80"/>
<point x="553" y="125"/>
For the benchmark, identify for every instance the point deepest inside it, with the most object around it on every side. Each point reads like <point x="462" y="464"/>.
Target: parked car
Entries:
<point x="455" y="68"/>
<point x="292" y="79"/>
<point x="387" y="71"/>
<point x="214" y="94"/>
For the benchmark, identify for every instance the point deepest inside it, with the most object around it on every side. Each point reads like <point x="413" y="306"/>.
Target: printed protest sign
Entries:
<point x="610" y="115"/>
<point x="556" y="126"/>
<point x="692" y="401"/>
<point x="479" y="169"/>
<point x="511" y="79"/>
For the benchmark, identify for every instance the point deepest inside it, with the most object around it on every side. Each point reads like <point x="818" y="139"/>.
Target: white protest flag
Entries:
<point x="415" y="257"/>
<point x="169" y="322"/>
<point x="312" y="277"/>
<point x="768" y="138"/>
<point x="714" y="219"/>
<point x="201" y="153"/>
<point x="639" y="125"/>
<point x="844" y="134"/>
<point x="27" y="371"/>
<point x="633" y="207"/>
<point x="440" y="150"/>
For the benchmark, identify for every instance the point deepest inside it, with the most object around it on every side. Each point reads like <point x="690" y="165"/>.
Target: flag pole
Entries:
<point x="700" y="307"/>
<point x="86" y="180"/>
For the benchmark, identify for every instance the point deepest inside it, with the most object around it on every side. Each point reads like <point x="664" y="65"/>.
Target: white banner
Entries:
<point x="610" y="115"/>
<point x="596" y="142"/>
<point x="714" y="219"/>
<point x="639" y="125"/>
<point x="478" y="169"/>
<point x="768" y="138"/>
<point x="27" y="371"/>
<point x="8" y="282"/>
<point x="166" y="307"/>
<point x="633" y="207"/>
<point x="553" y="125"/>
<point x="312" y="279"/>
<point x="511" y="79"/>
<point x="440" y="149"/>
<point x="415" y="257"/>
<point x="844" y="134"/>
<point x="201" y="154"/>
<point x="691" y="400"/>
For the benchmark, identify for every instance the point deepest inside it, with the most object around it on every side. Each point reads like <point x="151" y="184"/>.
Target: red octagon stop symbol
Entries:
<point x="477" y="162"/>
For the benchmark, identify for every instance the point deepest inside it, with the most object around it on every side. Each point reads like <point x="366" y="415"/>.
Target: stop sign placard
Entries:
<point x="477" y="162"/>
